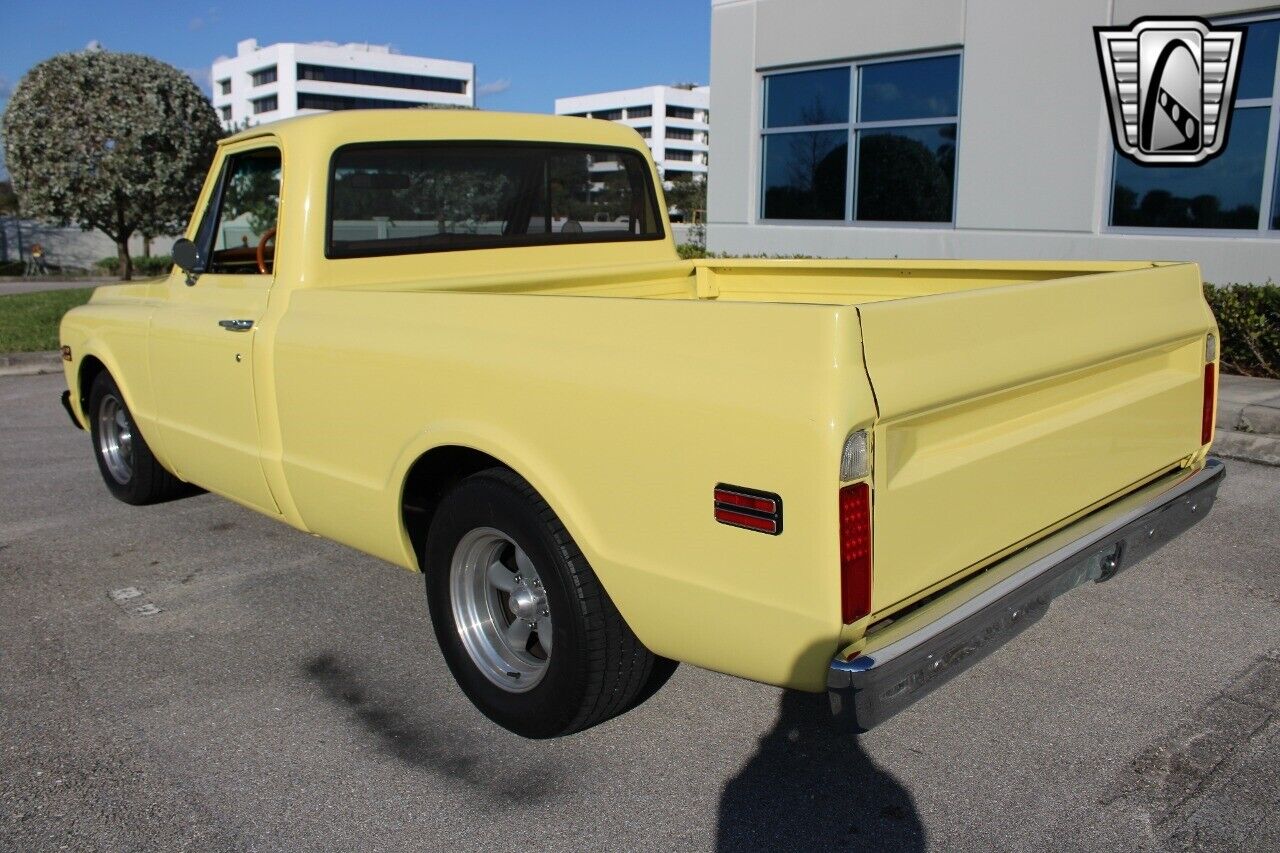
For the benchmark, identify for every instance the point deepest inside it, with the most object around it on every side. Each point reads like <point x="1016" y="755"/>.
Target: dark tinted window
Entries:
<point x="1225" y="192"/>
<point x="428" y="197"/>
<point x="312" y="101"/>
<point x="679" y="133"/>
<point x="804" y="175"/>
<point x="265" y="76"/>
<point x="265" y="105"/>
<point x="906" y="174"/>
<point x="639" y="112"/>
<point x="806" y="98"/>
<point x="680" y="112"/>
<point x="1258" y="65"/>
<point x="389" y="79"/>
<point x="917" y="88"/>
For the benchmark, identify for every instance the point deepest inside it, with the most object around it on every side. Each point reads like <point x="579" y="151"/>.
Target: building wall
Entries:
<point x="656" y="99"/>
<point x="1033" y="174"/>
<point x="66" y="247"/>
<point x="286" y="56"/>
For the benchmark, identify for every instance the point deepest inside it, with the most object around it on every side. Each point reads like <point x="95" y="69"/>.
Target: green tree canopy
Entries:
<point x="113" y="141"/>
<point x="8" y="198"/>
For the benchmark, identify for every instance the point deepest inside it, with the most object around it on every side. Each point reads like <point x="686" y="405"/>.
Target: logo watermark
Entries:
<point x="1170" y="83"/>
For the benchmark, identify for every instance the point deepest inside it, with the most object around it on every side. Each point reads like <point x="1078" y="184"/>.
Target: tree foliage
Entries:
<point x="113" y="141"/>
<point x="8" y="198"/>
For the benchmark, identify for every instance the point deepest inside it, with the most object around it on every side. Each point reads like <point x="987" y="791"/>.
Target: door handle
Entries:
<point x="236" y="325"/>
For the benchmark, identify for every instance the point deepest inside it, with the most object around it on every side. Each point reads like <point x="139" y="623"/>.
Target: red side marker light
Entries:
<point x="739" y="506"/>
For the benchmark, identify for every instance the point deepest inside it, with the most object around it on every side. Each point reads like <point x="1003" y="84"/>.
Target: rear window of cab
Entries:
<point x="417" y="197"/>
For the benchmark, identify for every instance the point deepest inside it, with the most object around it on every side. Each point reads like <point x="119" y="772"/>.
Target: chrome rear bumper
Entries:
<point x="911" y="657"/>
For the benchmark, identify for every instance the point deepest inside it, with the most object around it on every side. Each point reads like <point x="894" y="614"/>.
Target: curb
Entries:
<point x="30" y="363"/>
<point x="1250" y="447"/>
<point x="1260" y="419"/>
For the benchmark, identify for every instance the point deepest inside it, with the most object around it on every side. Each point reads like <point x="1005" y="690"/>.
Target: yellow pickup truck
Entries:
<point x="465" y="343"/>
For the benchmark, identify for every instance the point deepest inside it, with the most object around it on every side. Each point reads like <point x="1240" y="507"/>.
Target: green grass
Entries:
<point x="29" y="321"/>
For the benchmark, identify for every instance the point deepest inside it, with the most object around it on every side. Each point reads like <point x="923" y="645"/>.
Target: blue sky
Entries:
<point x="526" y="53"/>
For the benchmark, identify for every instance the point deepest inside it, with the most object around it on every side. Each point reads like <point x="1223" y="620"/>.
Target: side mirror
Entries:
<point x="187" y="257"/>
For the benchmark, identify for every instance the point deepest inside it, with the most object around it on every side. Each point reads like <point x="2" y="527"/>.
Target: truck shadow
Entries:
<point x="811" y="786"/>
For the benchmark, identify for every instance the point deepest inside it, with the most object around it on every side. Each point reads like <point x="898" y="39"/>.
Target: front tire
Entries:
<point x="525" y="626"/>
<point x="128" y="466"/>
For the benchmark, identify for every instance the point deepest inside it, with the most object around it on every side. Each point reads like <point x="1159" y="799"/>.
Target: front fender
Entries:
<point x="115" y="335"/>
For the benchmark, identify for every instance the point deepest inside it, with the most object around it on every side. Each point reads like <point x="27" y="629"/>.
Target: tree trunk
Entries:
<point x="126" y="263"/>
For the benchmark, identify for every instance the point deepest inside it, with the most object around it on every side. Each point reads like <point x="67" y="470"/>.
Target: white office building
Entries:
<point x="262" y="84"/>
<point x="966" y="129"/>
<point x="674" y="121"/>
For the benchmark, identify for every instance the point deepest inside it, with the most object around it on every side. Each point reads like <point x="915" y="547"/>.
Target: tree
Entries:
<point x="9" y="207"/>
<point x="690" y="196"/>
<point x="8" y="199"/>
<point x="113" y="141"/>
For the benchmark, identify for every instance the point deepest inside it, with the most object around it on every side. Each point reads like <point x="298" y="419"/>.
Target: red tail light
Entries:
<point x="1206" y="417"/>
<point x="855" y="552"/>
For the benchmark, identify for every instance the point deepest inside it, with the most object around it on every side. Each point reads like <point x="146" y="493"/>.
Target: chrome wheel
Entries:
<point x="115" y="438"/>
<point x="501" y="609"/>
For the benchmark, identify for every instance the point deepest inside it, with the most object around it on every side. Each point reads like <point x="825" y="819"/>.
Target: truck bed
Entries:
<point x="1010" y="395"/>
<point x="816" y="282"/>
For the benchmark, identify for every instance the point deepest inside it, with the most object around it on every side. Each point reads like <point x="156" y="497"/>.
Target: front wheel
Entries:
<point x="526" y="628"/>
<point x="127" y="464"/>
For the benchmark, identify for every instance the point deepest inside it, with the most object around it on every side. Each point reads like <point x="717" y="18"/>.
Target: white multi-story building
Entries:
<point x="262" y="84"/>
<point x="674" y="120"/>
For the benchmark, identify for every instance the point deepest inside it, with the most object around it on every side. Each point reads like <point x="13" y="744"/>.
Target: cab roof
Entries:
<point x="397" y="125"/>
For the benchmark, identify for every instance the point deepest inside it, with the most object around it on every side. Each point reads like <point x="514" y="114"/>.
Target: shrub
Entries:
<point x="1249" y="322"/>
<point x="154" y="265"/>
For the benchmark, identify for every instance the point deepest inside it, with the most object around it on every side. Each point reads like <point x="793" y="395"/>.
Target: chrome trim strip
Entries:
<point x="950" y="642"/>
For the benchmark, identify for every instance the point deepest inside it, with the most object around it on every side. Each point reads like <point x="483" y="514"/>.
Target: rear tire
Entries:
<point x="525" y="626"/>
<point x="128" y="466"/>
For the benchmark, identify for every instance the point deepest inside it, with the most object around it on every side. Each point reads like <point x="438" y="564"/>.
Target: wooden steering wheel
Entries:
<point x="269" y="234"/>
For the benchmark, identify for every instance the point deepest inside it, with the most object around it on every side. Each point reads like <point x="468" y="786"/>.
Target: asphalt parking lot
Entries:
<point x="253" y="688"/>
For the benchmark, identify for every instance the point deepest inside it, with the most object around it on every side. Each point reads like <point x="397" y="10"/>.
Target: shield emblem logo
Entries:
<point x="1170" y="83"/>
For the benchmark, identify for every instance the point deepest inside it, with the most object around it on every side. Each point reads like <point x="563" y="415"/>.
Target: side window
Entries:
<point x="237" y="233"/>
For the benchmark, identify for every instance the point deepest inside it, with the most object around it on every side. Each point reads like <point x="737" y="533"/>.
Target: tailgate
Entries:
<point x="1005" y="410"/>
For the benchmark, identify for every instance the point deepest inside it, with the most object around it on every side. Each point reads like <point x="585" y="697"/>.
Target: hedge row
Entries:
<point x="1249" y="320"/>
<point x="154" y="265"/>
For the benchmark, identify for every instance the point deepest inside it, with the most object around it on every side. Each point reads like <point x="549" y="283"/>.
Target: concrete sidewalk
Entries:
<point x="38" y="284"/>
<point x="1248" y="425"/>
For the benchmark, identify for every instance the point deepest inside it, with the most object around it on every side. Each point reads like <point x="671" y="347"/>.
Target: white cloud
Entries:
<point x="494" y="87"/>
<point x="201" y="21"/>
<point x="203" y="78"/>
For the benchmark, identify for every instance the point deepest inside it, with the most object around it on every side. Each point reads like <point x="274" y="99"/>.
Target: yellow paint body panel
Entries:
<point x="624" y="384"/>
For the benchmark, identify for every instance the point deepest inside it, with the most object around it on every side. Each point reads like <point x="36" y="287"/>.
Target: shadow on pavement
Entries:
<point x="811" y="786"/>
